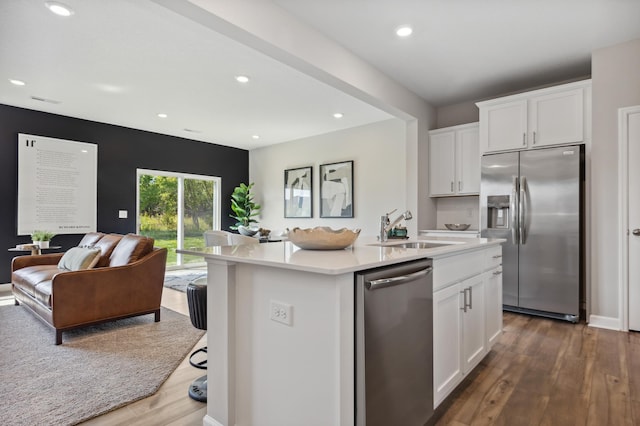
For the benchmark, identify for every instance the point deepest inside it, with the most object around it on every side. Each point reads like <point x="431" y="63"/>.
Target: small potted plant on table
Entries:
<point x="41" y="238"/>
<point x="244" y="209"/>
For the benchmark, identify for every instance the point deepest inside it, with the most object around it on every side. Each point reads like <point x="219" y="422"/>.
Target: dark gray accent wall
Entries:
<point x="121" y="151"/>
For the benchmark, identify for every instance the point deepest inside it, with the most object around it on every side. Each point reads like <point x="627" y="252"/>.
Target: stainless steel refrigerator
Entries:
<point x="534" y="199"/>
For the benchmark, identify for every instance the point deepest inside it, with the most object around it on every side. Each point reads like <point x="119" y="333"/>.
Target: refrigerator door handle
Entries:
<point x="512" y="209"/>
<point x="521" y="210"/>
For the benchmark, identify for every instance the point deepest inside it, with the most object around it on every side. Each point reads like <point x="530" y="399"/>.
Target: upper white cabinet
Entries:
<point x="552" y="116"/>
<point x="454" y="161"/>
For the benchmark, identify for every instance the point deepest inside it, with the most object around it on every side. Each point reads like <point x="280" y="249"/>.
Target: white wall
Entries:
<point x="380" y="179"/>
<point x="461" y="113"/>
<point x="616" y="84"/>
<point x="273" y="31"/>
<point x="458" y="210"/>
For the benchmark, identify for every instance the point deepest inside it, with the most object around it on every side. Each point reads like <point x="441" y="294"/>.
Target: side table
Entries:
<point x="34" y="248"/>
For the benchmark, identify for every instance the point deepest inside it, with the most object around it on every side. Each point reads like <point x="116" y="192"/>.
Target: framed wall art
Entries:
<point x="336" y="189"/>
<point x="298" y="190"/>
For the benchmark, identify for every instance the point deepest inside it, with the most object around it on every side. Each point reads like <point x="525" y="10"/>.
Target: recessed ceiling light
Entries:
<point x="404" y="31"/>
<point x="162" y="115"/>
<point x="256" y="136"/>
<point x="17" y="82"/>
<point x="242" y="79"/>
<point x="338" y="115"/>
<point x="59" y="9"/>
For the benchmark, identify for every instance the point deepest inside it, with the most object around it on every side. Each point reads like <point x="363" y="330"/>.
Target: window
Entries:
<point x="175" y="209"/>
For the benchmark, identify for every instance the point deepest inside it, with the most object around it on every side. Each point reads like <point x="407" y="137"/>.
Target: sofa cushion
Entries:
<point x="43" y="292"/>
<point x="77" y="258"/>
<point x="131" y="247"/>
<point x="90" y="239"/>
<point x="107" y="243"/>
<point x="28" y="278"/>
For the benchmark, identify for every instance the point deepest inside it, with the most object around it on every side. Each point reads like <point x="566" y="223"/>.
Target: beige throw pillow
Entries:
<point x="78" y="258"/>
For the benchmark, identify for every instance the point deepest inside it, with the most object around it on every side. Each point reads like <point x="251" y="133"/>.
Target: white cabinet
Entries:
<point x="454" y="161"/>
<point x="552" y="116"/>
<point x="473" y="322"/>
<point x="503" y="126"/>
<point x="493" y="300"/>
<point x="493" y="295"/>
<point x="467" y="315"/>
<point x="447" y="342"/>
<point x="459" y="342"/>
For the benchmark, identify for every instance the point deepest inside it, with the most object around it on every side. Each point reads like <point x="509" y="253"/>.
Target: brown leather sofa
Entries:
<point x="127" y="281"/>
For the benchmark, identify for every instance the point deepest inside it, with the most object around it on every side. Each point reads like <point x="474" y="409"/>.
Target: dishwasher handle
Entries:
<point x="402" y="279"/>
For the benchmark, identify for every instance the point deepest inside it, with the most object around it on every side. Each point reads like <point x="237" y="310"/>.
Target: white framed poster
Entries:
<point x="57" y="185"/>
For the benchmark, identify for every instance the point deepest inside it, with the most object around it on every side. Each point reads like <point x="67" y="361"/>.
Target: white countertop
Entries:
<point x="362" y="255"/>
<point x="449" y="231"/>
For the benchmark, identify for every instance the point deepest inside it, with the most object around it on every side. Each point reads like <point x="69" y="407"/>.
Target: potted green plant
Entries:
<point x="244" y="209"/>
<point x="42" y="238"/>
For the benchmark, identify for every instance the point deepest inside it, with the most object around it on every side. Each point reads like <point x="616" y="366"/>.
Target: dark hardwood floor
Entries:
<point x="548" y="372"/>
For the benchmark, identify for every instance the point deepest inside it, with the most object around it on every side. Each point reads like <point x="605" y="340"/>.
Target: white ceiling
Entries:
<point x="463" y="50"/>
<point x="124" y="61"/>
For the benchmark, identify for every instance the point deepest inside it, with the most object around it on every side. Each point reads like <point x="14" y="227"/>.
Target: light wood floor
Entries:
<point x="541" y="372"/>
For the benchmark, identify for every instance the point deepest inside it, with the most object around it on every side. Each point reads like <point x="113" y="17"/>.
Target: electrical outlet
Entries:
<point x="281" y="312"/>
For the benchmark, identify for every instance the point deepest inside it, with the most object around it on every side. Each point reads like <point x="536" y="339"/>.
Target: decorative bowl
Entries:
<point x="323" y="238"/>
<point x="249" y="231"/>
<point x="457" y="226"/>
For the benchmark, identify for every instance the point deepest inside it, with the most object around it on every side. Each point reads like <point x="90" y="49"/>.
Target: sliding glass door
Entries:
<point x="175" y="209"/>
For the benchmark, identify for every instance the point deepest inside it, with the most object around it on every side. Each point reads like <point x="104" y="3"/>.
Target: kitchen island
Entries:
<point x="281" y="325"/>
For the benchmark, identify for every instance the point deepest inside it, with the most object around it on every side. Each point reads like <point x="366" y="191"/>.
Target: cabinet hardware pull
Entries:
<point x="464" y="302"/>
<point x="459" y="185"/>
<point x="497" y="272"/>
<point x="497" y="256"/>
<point x="524" y="139"/>
<point x="534" y="137"/>
<point x="470" y="297"/>
<point x="636" y="232"/>
<point x="451" y="186"/>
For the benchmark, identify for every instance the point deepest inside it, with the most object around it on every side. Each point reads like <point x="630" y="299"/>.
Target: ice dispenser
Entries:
<point x="498" y="211"/>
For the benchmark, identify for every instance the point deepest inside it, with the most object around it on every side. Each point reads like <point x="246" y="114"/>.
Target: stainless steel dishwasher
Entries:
<point x="394" y="340"/>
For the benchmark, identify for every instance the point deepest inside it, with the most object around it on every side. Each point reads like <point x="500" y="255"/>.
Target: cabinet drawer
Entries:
<point x="448" y="270"/>
<point x="493" y="257"/>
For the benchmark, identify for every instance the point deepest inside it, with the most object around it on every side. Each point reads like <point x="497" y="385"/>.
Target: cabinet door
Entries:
<point x="442" y="163"/>
<point x="493" y="292"/>
<point x="556" y="118"/>
<point x="473" y="323"/>
<point x="503" y="126"/>
<point x="447" y="340"/>
<point x="468" y="161"/>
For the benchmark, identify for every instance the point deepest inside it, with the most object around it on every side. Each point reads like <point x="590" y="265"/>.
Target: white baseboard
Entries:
<point x="210" y="421"/>
<point x="610" y="323"/>
<point x="5" y="287"/>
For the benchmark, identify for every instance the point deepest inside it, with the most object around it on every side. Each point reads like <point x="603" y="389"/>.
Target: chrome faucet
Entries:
<point x="386" y="224"/>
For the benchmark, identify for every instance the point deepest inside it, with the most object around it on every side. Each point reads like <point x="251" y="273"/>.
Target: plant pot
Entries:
<point x="249" y="231"/>
<point x="42" y="244"/>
